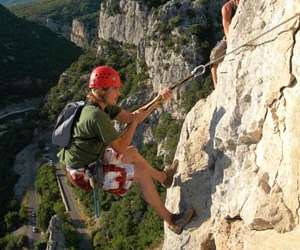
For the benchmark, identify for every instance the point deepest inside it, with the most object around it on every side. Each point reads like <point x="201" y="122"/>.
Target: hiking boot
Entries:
<point x="181" y="220"/>
<point x="170" y="172"/>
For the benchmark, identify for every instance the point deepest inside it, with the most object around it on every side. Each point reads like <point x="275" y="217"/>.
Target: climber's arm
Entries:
<point x="226" y="16"/>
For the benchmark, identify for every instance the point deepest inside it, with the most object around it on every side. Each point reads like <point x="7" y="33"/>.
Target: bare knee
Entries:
<point x="133" y="156"/>
<point x="131" y="150"/>
<point x="130" y="155"/>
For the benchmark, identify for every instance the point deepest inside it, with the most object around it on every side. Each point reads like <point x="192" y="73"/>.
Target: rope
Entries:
<point x="96" y="202"/>
<point x="200" y="69"/>
<point x="251" y="41"/>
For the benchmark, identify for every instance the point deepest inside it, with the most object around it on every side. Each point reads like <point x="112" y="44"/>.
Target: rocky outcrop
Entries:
<point x="162" y="36"/>
<point x="80" y="35"/>
<point x="56" y="239"/>
<point x="171" y="57"/>
<point x="124" y="21"/>
<point x="239" y="164"/>
<point x="76" y="31"/>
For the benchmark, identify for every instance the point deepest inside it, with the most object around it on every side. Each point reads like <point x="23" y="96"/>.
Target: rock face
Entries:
<point x="239" y="149"/>
<point x="154" y="33"/>
<point x="124" y="22"/>
<point x="80" y="34"/>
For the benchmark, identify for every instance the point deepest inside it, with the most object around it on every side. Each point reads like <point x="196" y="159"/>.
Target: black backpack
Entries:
<point x="62" y="133"/>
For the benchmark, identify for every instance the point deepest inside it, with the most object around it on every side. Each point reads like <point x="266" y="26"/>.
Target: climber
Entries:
<point x="228" y="11"/>
<point x="95" y="137"/>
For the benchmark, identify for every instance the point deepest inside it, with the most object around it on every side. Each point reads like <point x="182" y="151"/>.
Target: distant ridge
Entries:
<point x="32" y="57"/>
<point x="15" y="2"/>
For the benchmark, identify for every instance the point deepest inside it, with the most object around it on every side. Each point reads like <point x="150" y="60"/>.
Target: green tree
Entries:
<point x="62" y="11"/>
<point x="12" y="220"/>
<point x="46" y="186"/>
<point x="40" y="245"/>
<point x="44" y="214"/>
<point x="11" y="242"/>
<point x="23" y="213"/>
<point x="26" y="62"/>
<point x="71" y="235"/>
<point x="59" y="209"/>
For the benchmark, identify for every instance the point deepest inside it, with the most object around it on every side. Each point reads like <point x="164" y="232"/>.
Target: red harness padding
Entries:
<point x="79" y="180"/>
<point x="121" y="179"/>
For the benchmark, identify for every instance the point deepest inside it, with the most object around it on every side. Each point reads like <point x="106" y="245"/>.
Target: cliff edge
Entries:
<point x="239" y="149"/>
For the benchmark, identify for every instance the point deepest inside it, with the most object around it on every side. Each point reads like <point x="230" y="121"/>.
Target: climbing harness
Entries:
<point x="200" y="69"/>
<point x="95" y="175"/>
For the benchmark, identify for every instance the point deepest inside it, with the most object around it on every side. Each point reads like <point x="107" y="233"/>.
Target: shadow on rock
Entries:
<point x="197" y="190"/>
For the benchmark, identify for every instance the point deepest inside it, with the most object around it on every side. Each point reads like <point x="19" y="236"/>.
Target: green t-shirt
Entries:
<point x="92" y="133"/>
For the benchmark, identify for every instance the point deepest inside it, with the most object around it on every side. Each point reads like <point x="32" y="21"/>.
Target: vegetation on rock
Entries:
<point x="62" y="11"/>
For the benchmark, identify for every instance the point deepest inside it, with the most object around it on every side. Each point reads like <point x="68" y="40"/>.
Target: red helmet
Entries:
<point x="104" y="77"/>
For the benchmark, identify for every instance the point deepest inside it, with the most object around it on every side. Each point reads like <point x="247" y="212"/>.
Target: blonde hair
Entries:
<point x="92" y="99"/>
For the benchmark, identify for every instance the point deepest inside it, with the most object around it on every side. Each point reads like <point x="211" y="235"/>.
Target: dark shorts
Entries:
<point x="218" y="51"/>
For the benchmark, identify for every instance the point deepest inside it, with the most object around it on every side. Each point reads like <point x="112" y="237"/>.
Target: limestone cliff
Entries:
<point x="126" y="22"/>
<point x="239" y="149"/>
<point x="82" y="33"/>
<point x="82" y="30"/>
<point x="163" y="36"/>
<point x="78" y="33"/>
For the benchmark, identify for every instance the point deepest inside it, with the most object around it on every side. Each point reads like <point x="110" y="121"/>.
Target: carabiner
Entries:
<point x="200" y="68"/>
